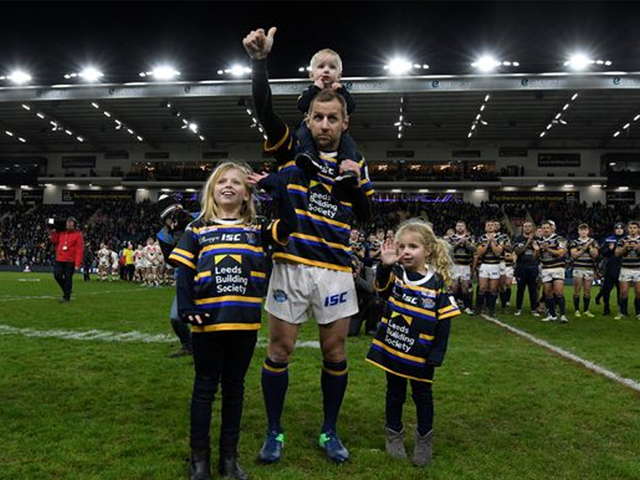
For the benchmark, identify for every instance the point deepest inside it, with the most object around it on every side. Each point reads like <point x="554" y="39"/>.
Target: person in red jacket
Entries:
<point x="69" y="252"/>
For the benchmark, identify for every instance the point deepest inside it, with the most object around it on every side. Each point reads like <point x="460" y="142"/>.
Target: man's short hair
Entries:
<point x="635" y="222"/>
<point x="329" y="95"/>
<point x="582" y="226"/>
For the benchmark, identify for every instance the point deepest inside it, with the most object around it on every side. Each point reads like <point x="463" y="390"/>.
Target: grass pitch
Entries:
<point x="505" y="408"/>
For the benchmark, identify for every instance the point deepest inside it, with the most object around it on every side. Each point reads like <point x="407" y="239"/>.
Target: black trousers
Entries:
<point x="220" y="358"/>
<point x="180" y="328"/>
<point x="396" y="396"/>
<point x="527" y="277"/>
<point x="63" y="273"/>
<point x="610" y="281"/>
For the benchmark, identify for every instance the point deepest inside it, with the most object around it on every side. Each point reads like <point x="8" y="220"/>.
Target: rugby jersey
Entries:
<point x="631" y="258"/>
<point x="554" y="242"/>
<point x="324" y="222"/>
<point x="489" y="257"/>
<point x="462" y="253"/>
<point x="413" y="333"/>
<point x="325" y="216"/>
<point x="230" y="268"/>
<point x="584" y="261"/>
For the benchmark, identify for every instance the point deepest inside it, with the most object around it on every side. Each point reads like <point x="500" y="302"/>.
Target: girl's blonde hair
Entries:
<point x="209" y="208"/>
<point x="438" y="252"/>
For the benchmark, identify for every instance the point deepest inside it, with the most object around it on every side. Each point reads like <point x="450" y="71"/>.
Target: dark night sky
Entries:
<point x="124" y="38"/>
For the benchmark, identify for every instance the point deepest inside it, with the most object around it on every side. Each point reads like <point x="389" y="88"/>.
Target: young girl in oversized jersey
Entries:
<point x="412" y="337"/>
<point x="221" y="281"/>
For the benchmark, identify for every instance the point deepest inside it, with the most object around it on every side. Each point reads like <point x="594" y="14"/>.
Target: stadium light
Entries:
<point x="235" y="71"/>
<point x="90" y="74"/>
<point x="19" y="77"/>
<point x="486" y="63"/>
<point x="163" y="72"/>
<point x="402" y="66"/>
<point x="623" y="188"/>
<point x="580" y="62"/>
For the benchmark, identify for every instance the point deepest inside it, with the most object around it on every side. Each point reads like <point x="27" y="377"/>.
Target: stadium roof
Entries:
<point x="538" y="110"/>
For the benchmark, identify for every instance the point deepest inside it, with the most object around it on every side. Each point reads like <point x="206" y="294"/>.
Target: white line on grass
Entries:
<point x="564" y="353"/>
<point x="44" y="297"/>
<point x="106" y="336"/>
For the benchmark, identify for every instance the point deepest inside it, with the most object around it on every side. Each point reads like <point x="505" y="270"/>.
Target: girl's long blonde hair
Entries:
<point x="209" y="208"/>
<point x="438" y="256"/>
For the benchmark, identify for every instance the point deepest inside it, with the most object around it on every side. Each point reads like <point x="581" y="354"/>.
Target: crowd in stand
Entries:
<point x="24" y="232"/>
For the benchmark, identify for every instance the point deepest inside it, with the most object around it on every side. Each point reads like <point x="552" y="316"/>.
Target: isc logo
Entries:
<point x="229" y="237"/>
<point x="332" y="300"/>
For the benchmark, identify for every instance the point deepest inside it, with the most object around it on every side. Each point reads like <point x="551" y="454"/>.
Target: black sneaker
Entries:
<point x="309" y="164"/>
<point x="181" y="352"/>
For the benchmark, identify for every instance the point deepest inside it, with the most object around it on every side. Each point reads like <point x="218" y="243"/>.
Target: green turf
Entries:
<point x="505" y="409"/>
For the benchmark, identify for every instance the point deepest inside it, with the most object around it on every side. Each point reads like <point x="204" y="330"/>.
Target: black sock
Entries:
<point x="480" y="301"/>
<point x="334" y="384"/>
<point x="576" y="303"/>
<point x="561" y="304"/>
<point x="587" y="301"/>
<point x="636" y="304"/>
<point x="275" y="380"/>
<point x="551" y="306"/>
<point x="624" y="306"/>
<point x="491" y="302"/>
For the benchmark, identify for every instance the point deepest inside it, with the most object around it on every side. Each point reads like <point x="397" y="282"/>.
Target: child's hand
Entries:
<point x="254" y="178"/>
<point x="388" y="252"/>
<point x="336" y="86"/>
<point x="194" y="318"/>
<point x="257" y="44"/>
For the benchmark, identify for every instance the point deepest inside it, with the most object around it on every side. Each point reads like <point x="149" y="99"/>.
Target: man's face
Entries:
<point x="527" y="228"/>
<point x="546" y="229"/>
<point x="619" y="231"/>
<point x="583" y="232"/>
<point x="71" y="225"/>
<point x="326" y="123"/>
<point x="633" y="230"/>
<point x="461" y="228"/>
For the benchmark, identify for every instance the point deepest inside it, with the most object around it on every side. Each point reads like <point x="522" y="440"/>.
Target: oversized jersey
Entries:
<point x="462" y="252"/>
<point x="409" y="323"/>
<point x="584" y="261"/>
<point x="324" y="222"/>
<point x="489" y="257"/>
<point x="230" y="271"/>
<point x="554" y="242"/>
<point x="631" y="259"/>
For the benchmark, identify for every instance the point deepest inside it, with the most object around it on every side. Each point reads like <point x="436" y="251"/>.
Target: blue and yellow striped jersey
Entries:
<point x="584" y="261"/>
<point x="324" y="221"/>
<point x="489" y="257"/>
<point x="408" y="332"/>
<point x="631" y="259"/>
<point x="462" y="247"/>
<point x="230" y="271"/>
<point x="554" y="242"/>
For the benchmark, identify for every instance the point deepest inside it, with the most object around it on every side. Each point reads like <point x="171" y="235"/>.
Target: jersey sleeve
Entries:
<point x="187" y="249"/>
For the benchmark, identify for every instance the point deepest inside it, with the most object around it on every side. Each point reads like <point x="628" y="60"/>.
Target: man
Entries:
<point x="628" y="249"/>
<point x="584" y="252"/>
<point x="504" y="286"/>
<point x="313" y="269"/>
<point x="526" y="269"/>
<point x="69" y="253"/>
<point x="611" y="268"/>
<point x="551" y="250"/>
<point x="489" y="251"/>
<point x="463" y="249"/>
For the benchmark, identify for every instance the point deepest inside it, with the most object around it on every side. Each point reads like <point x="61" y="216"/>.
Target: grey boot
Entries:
<point x="423" y="451"/>
<point x="395" y="443"/>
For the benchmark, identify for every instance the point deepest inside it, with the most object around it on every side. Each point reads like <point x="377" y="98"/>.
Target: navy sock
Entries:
<point x="576" y="304"/>
<point x="491" y="302"/>
<point x="636" y="304"/>
<point x="551" y="306"/>
<point x="275" y="380"/>
<point x="624" y="306"/>
<point x="480" y="301"/>
<point x="334" y="384"/>
<point x="561" y="304"/>
<point x="587" y="301"/>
